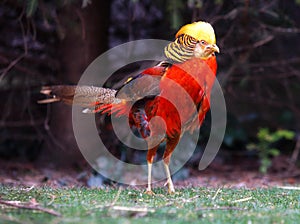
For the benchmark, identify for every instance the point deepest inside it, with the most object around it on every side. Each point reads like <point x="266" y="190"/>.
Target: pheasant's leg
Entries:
<point x="150" y="157"/>
<point x="149" y="190"/>
<point x="170" y="146"/>
<point x="171" y="189"/>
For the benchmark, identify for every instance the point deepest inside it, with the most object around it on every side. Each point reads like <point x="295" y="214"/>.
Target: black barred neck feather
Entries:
<point x="181" y="50"/>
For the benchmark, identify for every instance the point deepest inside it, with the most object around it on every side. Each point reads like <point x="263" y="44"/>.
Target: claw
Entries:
<point x="171" y="191"/>
<point x="149" y="192"/>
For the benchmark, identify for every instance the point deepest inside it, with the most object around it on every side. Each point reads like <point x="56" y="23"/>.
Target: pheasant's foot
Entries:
<point x="171" y="190"/>
<point x="149" y="192"/>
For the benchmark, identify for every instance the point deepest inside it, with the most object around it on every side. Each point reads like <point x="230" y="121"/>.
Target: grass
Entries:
<point x="190" y="205"/>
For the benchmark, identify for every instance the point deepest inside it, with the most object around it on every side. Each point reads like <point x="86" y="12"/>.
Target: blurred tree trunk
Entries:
<point x="84" y="36"/>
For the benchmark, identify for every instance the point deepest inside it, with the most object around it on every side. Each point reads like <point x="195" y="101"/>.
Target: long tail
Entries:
<point x="85" y="96"/>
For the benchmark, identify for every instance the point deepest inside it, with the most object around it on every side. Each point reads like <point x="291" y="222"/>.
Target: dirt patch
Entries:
<point x="28" y="174"/>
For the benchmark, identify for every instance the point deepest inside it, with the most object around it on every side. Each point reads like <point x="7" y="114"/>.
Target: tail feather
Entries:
<point x="58" y="93"/>
<point x="118" y="110"/>
<point x="49" y="100"/>
<point x="81" y="95"/>
<point x="94" y="99"/>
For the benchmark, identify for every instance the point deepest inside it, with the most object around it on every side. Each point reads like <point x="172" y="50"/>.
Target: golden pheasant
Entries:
<point x="191" y="65"/>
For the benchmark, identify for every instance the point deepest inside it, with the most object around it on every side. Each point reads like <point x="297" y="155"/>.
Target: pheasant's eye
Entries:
<point x="203" y="42"/>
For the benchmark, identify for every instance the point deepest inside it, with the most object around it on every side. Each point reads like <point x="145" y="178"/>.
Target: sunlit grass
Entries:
<point x="204" y="205"/>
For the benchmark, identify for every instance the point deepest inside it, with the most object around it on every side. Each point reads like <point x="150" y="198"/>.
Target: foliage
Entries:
<point x="235" y="134"/>
<point x="175" y="10"/>
<point x="31" y="7"/>
<point x="265" y="147"/>
<point x="258" y="63"/>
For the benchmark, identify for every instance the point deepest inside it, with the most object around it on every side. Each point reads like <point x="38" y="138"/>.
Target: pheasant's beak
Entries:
<point x="206" y="50"/>
<point x="210" y="49"/>
<point x="215" y="48"/>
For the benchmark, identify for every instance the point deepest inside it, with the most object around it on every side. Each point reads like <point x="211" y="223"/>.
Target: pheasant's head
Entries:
<point x="204" y="33"/>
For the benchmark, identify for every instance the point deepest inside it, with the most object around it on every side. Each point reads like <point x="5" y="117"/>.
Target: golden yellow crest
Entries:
<point x="200" y="31"/>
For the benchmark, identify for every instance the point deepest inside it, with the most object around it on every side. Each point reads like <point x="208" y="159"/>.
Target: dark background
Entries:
<point x="52" y="42"/>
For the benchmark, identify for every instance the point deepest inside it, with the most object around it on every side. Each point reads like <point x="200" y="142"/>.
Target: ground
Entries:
<point x="32" y="193"/>
<point x="234" y="176"/>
